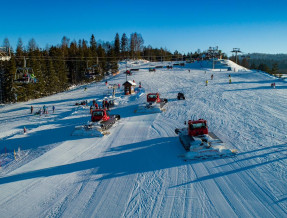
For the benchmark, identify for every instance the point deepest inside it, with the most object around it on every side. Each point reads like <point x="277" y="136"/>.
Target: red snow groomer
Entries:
<point x="101" y="121"/>
<point x="200" y="143"/>
<point x="128" y="72"/>
<point x="154" y="97"/>
<point x="154" y="104"/>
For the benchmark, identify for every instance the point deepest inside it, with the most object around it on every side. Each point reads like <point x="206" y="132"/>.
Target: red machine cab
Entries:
<point x="153" y="97"/>
<point x="100" y="114"/>
<point x="197" y="127"/>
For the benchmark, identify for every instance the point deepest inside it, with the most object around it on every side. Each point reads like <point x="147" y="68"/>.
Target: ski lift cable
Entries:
<point x="71" y="58"/>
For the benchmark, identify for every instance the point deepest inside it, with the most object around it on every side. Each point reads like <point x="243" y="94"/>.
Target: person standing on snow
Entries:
<point x="91" y="109"/>
<point x="206" y="82"/>
<point x="53" y="108"/>
<point x="44" y="109"/>
<point x="32" y="109"/>
<point x="211" y="76"/>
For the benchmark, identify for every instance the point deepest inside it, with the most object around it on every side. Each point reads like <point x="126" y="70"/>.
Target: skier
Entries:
<point x="32" y="109"/>
<point x="44" y="109"/>
<point x="96" y="105"/>
<point x="106" y="82"/>
<point x="211" y="76"/>
<point x="53" y="108"/>
<point x="189" y="70"/>
<point x="119" y="86"/>
<point x="140" y="84"/>
<point x="206" y="82"/>
<point x="108" y="105"/>
<point x="103" y="103"/>
<point x="229" y="79"/>
<point x="91" y="109"/>
<point x="85" y="88"/>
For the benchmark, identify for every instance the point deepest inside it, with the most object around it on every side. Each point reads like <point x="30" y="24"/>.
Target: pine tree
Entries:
<point x="275" y="68"/>
<point x="112" y="64"/>
<point x="245" y="63"/>
<point x="253" y="66"/>
<point x="52" y="81"/>
<point x="9" y="93"/>
<point x="124" y="46"/>
<point x="72" y="64"/>
<point x="102" y="59"/>
<point x="93" y="51"/>
<point x="35" y="62"/>
<point x="117" y="46"/>
<point x="59" y="65"/>
<point x="263" y="67"/>
<point x="20" y="53"/>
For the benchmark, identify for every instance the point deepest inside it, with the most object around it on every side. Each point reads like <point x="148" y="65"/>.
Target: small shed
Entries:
<point x="129" y="87"/>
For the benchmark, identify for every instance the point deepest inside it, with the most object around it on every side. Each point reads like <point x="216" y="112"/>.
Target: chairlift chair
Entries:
<point x="25" y="75"/>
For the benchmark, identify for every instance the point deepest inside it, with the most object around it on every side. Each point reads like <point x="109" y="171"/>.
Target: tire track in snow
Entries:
<point x="252" y="190"/>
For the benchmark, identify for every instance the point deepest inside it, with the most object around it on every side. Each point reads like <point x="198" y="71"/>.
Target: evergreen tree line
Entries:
<point x="59" y="66"/>
<point x="272" y="64"/>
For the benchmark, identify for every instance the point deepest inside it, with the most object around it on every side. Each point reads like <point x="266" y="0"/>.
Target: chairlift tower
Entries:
<point x="114" y="87"/>
<point x="236" y="50"/>
<point x="213" y="51"/>
<point x="5" y="55"/>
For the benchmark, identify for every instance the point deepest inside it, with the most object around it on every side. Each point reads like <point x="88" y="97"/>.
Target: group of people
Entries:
<point x="105" y="104"/>
<point x="273" y="85"/>
<point x="211" y="77"/>
<point x="40" y="111"/>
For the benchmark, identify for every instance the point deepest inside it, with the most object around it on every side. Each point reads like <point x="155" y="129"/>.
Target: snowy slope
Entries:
<point x="136" y="171"/>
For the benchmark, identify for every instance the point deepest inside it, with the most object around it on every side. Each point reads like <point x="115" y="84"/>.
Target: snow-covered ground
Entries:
<point x="136" y="170"/>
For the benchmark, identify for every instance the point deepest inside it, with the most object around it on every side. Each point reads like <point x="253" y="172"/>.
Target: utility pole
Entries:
<point x="236" y="50"/>
<point x="213" y="51"/>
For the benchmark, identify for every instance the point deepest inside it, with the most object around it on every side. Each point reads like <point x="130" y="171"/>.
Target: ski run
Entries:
<point x="138" y="169"/>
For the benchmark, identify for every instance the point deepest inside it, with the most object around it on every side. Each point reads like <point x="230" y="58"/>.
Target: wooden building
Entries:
<point x="129" y="87"/>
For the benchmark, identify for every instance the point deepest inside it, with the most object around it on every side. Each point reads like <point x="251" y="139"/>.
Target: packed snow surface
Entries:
<point x="137" y="170"/>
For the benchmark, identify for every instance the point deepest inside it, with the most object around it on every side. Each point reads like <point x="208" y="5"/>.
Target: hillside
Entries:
<point x="136" y="170"/>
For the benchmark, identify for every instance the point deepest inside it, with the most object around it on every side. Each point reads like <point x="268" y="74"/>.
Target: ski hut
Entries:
<point x="129" y="87"/>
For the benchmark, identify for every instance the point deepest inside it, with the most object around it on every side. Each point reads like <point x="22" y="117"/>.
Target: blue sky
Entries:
<point x="253" y="26"/>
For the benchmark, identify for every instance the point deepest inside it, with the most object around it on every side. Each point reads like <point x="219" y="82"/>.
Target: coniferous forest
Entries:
<point x="56" y="68"/>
